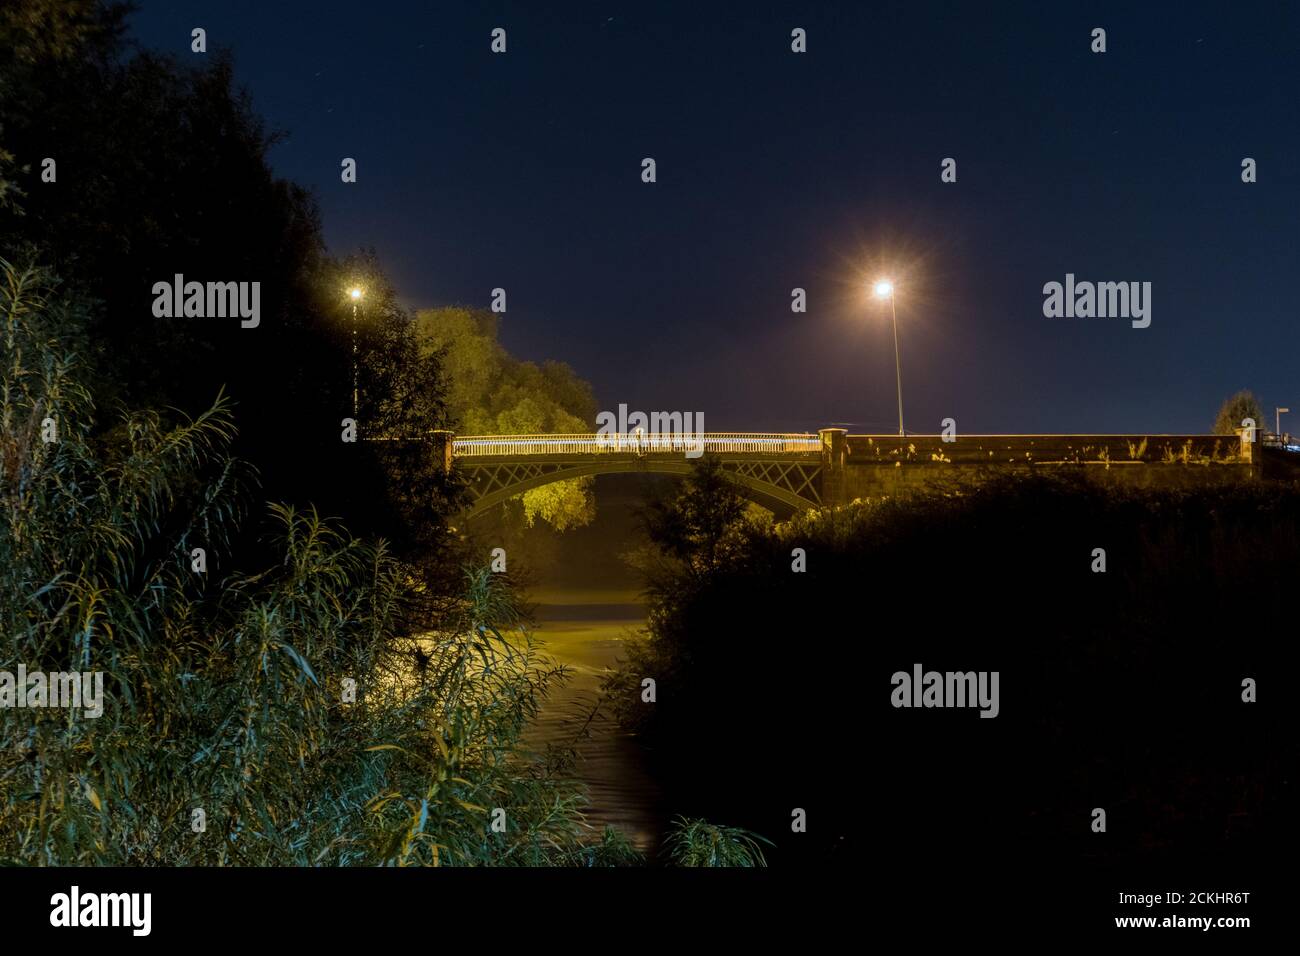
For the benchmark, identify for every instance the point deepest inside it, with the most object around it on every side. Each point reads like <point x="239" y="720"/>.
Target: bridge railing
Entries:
<point x="474" y="446"/>
<point x="1110" y="450"/>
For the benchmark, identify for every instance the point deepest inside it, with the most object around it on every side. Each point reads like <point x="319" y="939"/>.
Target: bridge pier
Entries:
<point x="442" y="448"/>
<point x="834" y="451"/>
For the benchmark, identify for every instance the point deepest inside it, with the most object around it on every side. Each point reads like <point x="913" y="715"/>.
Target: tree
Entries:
<point x="163" y="169"/>
<point x="33" y="35"/>
<point x="491" y="392"/>
<point x="1231" y="413"/>
<point x="296" y="709"/>
<point x="696" y="527"/>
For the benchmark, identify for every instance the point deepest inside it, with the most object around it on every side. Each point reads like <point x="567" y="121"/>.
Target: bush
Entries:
<point x="1119" y="689"/>
<point x="227" y="693"/>
<point x="699" y="843"/>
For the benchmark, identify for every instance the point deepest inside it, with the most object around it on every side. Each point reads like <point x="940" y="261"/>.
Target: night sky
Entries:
<point x="819" y="170"/>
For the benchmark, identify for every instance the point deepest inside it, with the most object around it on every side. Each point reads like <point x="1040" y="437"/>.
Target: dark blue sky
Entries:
<point x="779" y="170"/>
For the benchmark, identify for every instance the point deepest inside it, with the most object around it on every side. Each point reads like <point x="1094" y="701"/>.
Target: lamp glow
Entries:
<point x="884" y="289"/>
<point x="355" y="293"/>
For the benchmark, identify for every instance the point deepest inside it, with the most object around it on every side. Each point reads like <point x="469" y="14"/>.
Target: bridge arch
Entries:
<point x="782" y="473"/>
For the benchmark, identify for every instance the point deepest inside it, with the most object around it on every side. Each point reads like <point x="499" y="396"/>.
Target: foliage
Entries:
<point x="772" y="684"/>
<point x="116" y="118"/>
<point x="402" y="400"/>
<point x="699" y="843"/>
<point x="34" y="31"/>
<point x="492" y="393"/>
<point x="229" y="697"/>
<point x="696" y="529"/>
<point x="1240" y="406"/>
<point x="613" y="850"/>
<point x="34" y="34"/>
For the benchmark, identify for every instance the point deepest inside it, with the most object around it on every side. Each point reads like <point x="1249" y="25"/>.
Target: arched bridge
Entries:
<point x="792" y="472"/>
<point x="782" y="472"/>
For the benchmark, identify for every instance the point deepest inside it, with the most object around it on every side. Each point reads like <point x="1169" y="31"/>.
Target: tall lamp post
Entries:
<point x="885" y="289"/>
<point x="355" y="294"/>
<point x="1277" y="420"/>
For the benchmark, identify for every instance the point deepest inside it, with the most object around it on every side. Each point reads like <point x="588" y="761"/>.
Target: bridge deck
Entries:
<point x="715" y="443"/>
<point x="789" y="471"/>
<point x="1114" y="449"/>
<point x="1044" y="449"/>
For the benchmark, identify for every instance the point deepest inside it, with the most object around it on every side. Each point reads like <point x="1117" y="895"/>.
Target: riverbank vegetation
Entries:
<point x="326" y="708"/>
<point x="1123" y="624"/>
<point x="279" y="687"/>
<point x="319" y="710"/>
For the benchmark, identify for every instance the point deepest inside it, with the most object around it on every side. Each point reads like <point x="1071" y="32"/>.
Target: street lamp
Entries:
<point x="1277" y="419"/>
<point x="355" y="294"/>
<point x="885" y="289"/>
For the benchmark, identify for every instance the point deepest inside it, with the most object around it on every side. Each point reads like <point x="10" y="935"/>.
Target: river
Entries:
<point x="585" y="630"/>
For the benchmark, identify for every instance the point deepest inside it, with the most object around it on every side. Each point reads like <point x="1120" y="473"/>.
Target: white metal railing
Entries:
<point x="631" y="442"/>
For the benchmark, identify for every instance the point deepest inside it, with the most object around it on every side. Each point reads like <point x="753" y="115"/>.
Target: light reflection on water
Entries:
<point x="587" y="636"/>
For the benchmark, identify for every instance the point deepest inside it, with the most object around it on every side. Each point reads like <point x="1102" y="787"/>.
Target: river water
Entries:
<point x="586" y="630"/>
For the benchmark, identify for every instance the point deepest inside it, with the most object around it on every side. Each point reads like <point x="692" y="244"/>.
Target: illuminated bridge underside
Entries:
<point x="779" y="472"/>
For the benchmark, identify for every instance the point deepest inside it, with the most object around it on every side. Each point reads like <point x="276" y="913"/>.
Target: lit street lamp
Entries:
<point x="885" y="288"/>
<point x="355" y="294"/>
<point x="1277" y="419"/>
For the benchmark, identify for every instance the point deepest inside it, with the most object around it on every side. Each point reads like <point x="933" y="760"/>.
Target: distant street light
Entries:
<point x="885" y="289"/>
<point x="1277" y="419"/>
<point x="355" y="294"/>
